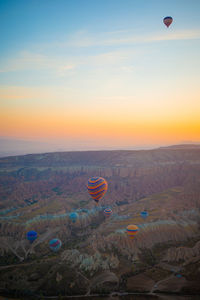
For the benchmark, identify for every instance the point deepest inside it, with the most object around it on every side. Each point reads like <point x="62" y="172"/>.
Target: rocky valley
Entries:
<point x="39" y="191"/>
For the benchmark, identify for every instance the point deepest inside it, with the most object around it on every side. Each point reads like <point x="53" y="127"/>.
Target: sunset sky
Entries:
<point x="100" y="74"/>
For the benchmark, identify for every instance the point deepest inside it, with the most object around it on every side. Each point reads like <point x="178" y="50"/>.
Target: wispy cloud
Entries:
<point x="61" y="66"/>
<point x="178" y="35"/>
<point x="111" y="50"/>
<point x="49" y="93"/>
<point x="27" y="60"/>
<point x="85" y="39"/>
<point x="110" y="57"/>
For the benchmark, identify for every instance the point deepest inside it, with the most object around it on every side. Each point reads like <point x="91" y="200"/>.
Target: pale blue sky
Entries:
<point x="38" y="37"/>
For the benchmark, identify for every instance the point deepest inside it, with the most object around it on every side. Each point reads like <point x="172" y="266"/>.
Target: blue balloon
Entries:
<point x="31" y="235"/>
<point x="144" y="214"/>
<point x="55" y="244"/>
<point x="178" y="275"/>
<point x="73" y="217"/>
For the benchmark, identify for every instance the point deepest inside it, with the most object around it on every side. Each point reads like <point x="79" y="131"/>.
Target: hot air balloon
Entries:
<point x="31" y="236"/>
<point x="107" y="212"/>
<point x="168" y="21"/>
<point x="132" y="230"/>
<point x="73" y="217"/>
<point x="97" y="187"/>
<point x="55" y="244"/>
<point x="144" y="214"/>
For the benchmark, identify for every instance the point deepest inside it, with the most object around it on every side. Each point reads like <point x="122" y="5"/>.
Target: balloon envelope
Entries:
<point x="31" y="235"/>
<point x="55" y="244"/>
<point x="132" y="230"/>
<point x="73" y="217"/>
<point x="97" y="187"/>
<point x="144" y="214"/>
<point x="107" y="212"/>
<point x="168" y="21"/>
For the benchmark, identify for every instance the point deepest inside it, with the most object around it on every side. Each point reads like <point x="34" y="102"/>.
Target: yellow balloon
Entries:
<point x="132" y="230"/>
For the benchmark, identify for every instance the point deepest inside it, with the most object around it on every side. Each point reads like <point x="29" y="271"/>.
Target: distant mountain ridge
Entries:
<point x="107" y="159"/>
<point x="14" y="147"/>
<point x="182" y="146"/>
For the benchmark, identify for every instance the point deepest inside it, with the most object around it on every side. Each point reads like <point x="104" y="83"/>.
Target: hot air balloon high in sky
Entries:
<point x="31" y="236"/>
<point x="55" y="244"/>
<point x="107" y="212"/>
<point x="132" y="230"/>
<point x="97" y="187"/>
<point x="168" y="21"/>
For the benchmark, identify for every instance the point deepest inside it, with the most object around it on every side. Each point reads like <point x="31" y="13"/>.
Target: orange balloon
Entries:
<point x="132" y="230"/>
<point x="97" y="187"/>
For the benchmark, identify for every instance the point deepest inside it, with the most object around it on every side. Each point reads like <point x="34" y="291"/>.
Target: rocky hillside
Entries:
<point x="132" y="175"/>
<point x="38" y="192"/>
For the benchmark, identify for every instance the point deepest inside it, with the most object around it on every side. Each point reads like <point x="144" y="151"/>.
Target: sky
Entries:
<point x="100" y="74"/>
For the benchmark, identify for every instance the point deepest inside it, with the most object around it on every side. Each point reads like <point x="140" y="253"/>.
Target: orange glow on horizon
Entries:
<point x="104" y="121"/>
<point x="76" y="125"/>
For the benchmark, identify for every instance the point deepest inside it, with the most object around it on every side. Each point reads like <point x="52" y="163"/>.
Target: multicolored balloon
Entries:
<point x="55" y="244"/>
<point x="97" y="187"/>
<point x="168" y="21"/>
<point x="31" y="235"/>
<point x="107" y="212"/>
<point x="73" y="217"/>
<point x="132" y="230"/>
<point x="144" y="214"/>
